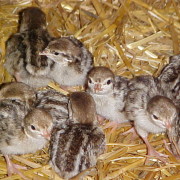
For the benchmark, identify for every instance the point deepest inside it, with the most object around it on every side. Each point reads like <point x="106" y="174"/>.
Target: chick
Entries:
<point x="22" y="49"/>
<point x="169" y="79"/>
<point x="151" y="113"/>
<point x="18" y="91"/>
<point x="53" y="102"/>
<point x="76" y="145"/>
<point x="109" y="92"/>
<point x="72" y="61"/>
<point x="22" y="131"/>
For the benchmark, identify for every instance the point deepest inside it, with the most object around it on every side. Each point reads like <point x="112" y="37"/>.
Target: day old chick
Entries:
<point x="21" y="131"/>
<point x="151" y="114"/>
<point x="72" y="61"/>
<point x="22" y="49"/>
<point x="109" y="92"/>
<point x="18" y="91"/>
<point x="76" y="145"/>
<point x="53" y="102"/>
<point x="169" y="79"/>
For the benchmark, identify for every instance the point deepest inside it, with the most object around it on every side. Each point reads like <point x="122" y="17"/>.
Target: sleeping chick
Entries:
<point x="76" y="145"/>
<point x="72" y="61"/>
<point x="22" y="49"/>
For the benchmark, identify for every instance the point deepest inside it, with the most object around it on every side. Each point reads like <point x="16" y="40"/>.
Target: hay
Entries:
<point x="131" y="37"/>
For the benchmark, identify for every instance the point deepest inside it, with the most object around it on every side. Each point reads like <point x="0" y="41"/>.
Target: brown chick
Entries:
<point x="76" y="145"/>
<point x="22" y="49"/>
<point x="18" y="91"/>
<point x="22" y="131"/>
<point x="72" y="61"/>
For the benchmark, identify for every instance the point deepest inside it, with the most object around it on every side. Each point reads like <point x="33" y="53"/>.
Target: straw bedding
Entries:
<point x="131" y="37"/>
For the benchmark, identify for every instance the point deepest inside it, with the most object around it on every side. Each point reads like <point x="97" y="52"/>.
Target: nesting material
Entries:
<point x="131" y="37"/>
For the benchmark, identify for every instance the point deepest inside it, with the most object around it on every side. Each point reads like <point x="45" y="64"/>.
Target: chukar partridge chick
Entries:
<point x="151" y="113"/>
<point x="72" y="61"/>
<point x="22" y="131"/>
<point x="22" y="49"/>
<point x="55" y="103"/>
<point x="109" y="92"/>
<point x="169" y="79"/>
<point x="18" y="91"/>
<point x="76" y="145"/>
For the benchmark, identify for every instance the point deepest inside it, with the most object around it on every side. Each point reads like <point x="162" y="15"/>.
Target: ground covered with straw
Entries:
<point x="131" y="37"/>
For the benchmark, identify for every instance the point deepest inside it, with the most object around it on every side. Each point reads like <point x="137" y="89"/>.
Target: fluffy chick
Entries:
<point x="72" y="61"/>
<point x="22" y="49"/>
<point x="151" y="114"/>
<point x="76" y="145"/>
<point x="22" y="131"/>
<point x="109" y="92"/>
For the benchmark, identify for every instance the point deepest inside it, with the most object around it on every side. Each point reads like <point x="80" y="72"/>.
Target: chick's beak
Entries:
<point x="168" y="125"/>
<point x="46" y="134"/>
<point x="44" y="53"/>
<point x="97" y="88"/>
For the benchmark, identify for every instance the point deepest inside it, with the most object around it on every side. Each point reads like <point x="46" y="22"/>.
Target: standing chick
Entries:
<point x="72" y="61"/>
<point x="21" y="131"/>
<point x="109" y="92"/>
<point x="169" y="79"/>
<point x="18" y="91"/>
<point x="151" y="113"/>
<point x="22" y="49"/>
<point x="76" y="145"/>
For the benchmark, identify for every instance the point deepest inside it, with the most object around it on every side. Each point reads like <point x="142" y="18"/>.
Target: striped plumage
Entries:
<point x="76" y="145"/>
<point x="22" y="49"/>
<point x="74" y="148"/>
<point x="150" y="109"/>
<point x="169" y="82"/>
<point x="169" y="79"/>
<point x="23" y="129"/>
<point x="53" y="102"/>
<point x="72" y="61"/>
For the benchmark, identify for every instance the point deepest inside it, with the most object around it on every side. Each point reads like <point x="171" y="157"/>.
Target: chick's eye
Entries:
<point x="155" y="117"/>
<point x="56" y="53"/>
<point x="89" y="81"/>
<point x="33" y="127"/>
<point x="109" y="82"/>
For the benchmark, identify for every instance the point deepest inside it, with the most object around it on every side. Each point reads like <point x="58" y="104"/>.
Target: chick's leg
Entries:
<point x="153" y="152"/>
<point x="13" y="168"/>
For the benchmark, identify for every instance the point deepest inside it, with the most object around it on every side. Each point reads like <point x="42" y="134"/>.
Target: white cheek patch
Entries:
<point x="160" y="123"/>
